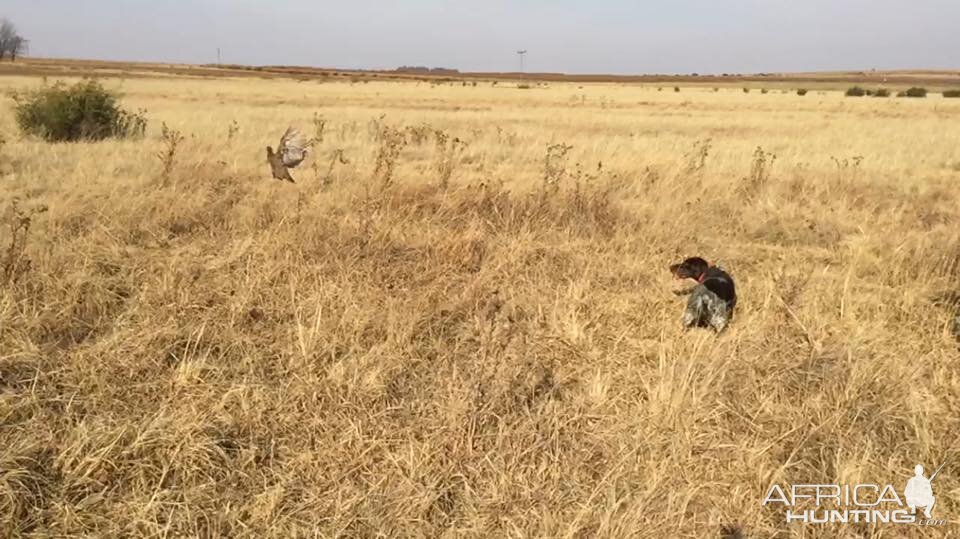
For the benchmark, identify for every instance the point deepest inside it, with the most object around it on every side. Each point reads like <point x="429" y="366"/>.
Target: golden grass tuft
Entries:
<point x="475" y="338"/>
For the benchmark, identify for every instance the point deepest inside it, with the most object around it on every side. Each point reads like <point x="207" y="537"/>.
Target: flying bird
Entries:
<point x="290" y="153"/>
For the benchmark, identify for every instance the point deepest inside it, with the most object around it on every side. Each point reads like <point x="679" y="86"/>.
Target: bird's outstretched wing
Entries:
<point x="293" y="147"/>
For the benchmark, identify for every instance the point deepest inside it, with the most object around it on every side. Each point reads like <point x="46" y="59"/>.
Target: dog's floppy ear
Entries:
<point x="674" y="268"/>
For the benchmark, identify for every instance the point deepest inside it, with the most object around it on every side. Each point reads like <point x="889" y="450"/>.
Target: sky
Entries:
<point x="595" y="36"/>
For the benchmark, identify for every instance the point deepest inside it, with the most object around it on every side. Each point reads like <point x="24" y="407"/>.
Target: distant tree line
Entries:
<point x="12" y="44"/>
<point x="427" y="70"/>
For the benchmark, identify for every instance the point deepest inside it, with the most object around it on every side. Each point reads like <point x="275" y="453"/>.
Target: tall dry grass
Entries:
<point x="474" y="339"/>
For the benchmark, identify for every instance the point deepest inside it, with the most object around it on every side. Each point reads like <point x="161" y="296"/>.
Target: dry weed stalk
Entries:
<point x="419" y="134"/>
<point x="759" y="172"/>
<point x="555" y="166"/>
<point x="319" y="127"/>
<point x="392" y="142"/>
<point x="375" y="126"/>
<point x="171" y="141"/>
<point x="697" y="157"/>
<point x="348" y="130"/>
<point x="848" y="168"/>
<point x="583" y="180"/>
<point x="301" y="203"/>
<point x="506" y="137"/>
<point x="232" y="130"/>
<point x="15" y="263"/>
<point x="448" y="152"/>
<point x="337" y="157"/>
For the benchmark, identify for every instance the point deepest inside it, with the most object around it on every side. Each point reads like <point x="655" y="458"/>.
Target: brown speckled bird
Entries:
<point x="290" y="153"/>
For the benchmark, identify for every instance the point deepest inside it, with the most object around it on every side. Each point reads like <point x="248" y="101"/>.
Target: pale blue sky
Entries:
<point x="599" y="36"/>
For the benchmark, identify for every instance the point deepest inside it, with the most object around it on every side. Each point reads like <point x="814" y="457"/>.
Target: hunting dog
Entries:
<point x="712" y="299"/>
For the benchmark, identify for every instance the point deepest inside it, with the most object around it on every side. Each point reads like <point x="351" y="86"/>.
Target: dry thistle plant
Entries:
<point x="301" y="202"/>
<point x="319" y="129"/>
<point x="418" y="134"/>
<point x="697" y="157"/>
<point x="448" y="152"/>
<point x="319" y="126"/>
<point x="338" y="157"/>
<point x="392" y="142"/>
<point x="505" y="137"/>
<point x="348" y="130"/>
<point x="582" y="179"/>
<point x="171" y="140"/>
<point x="759" y="171"/>
<point x="555" y="166"/>
<point x="848" y="168"/>
<point x="232" y="130"/>
<point x="15" y="263"/>
<point x="375" y="126"/>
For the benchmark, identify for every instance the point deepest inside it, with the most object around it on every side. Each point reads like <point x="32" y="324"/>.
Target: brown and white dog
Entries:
<point x="712" y="299"/>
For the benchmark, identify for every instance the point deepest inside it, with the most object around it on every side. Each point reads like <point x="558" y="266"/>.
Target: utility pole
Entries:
<point x="521" y="54"/>
<point x="218" y="55"/>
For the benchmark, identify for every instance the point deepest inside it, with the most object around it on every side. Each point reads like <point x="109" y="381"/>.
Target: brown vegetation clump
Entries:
<point x="474" y="340"/>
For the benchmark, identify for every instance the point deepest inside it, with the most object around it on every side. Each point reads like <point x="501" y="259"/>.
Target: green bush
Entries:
<point x="881" y="92"/>
<point x="914" y="92"/>
<point x="746" y="90"/>
<point x="84" y="111"/>
<point x="856" y="91"/>
<point x="764" y="91"/>
<point x="802" y="91"/>
<point x="951" y="93"/>
<point x="676" y="88"/>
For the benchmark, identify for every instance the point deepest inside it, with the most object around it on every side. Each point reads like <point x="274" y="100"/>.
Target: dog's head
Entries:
<point x="691" y="268"/>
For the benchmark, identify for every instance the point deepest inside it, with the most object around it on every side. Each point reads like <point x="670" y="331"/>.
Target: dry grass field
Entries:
<point x="466" y="326"/>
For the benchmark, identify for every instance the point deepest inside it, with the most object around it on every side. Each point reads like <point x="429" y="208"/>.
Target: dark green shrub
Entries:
<point x="856" y="91"/>
<point x="84" y="111"/>
<point x="914" y="92"/>
<point x="676" y="88"/>
<point x="951" y="93"/>
<point x="802" y="91"/>
<point x="764" y="91"/>
<point x="881" y="92"/>
<point x="746" y="90"/>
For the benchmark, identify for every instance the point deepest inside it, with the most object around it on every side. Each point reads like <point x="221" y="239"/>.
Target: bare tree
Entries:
<point x="18" y="47"/>
<point x="11" y="42"/>
<point x="7" y="31"/>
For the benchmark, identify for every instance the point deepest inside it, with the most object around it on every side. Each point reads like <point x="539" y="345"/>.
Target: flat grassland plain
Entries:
<point x="475" y="338"/>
